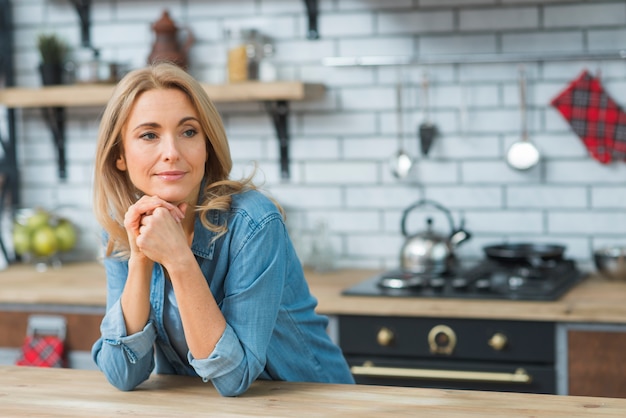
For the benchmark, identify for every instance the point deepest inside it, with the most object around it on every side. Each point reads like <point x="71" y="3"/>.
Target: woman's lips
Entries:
<point x="171" y="175"/>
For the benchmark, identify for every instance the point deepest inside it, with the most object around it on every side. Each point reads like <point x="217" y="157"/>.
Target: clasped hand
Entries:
<point x="155" y="229"/>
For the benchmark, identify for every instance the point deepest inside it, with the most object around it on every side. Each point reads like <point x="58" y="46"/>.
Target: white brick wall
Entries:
<point x="341" y="143"/>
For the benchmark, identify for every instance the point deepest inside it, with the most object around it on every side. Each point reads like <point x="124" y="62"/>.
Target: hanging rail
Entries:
<point x="469" y="59"/>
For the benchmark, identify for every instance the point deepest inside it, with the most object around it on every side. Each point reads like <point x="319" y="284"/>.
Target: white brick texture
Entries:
<point x="341" y="143"/>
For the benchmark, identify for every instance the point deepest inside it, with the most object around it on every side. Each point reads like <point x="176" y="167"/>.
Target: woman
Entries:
<point x="202" y="278"/>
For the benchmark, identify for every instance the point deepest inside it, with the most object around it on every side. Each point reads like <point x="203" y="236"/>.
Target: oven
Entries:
<point x="509" y="356"/>
<point x="458" y="353"/>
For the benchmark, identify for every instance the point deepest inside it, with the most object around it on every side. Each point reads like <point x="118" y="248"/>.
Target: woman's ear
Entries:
<point x="120" y="163"/>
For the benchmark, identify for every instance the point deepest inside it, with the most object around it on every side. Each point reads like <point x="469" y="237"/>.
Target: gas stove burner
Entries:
<point x="488" y="279"/>
<point x="400" y="280"/>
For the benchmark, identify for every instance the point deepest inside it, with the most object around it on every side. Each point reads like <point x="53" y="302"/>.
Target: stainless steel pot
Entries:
<point x="610" y="262"/>
<point x="427" y="251"/>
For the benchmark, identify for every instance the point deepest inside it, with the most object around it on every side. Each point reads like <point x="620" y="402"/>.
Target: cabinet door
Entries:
<point x="597" y="363"/>
<point x="82" y="329"/>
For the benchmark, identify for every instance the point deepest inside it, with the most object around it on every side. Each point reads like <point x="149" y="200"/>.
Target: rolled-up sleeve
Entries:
<point x="225" y="358"/>
<point x="125" y="360"/>
<point x="136" y="346"/>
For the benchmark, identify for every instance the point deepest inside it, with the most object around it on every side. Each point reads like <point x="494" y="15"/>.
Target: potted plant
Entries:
<point x="53" y="51"/>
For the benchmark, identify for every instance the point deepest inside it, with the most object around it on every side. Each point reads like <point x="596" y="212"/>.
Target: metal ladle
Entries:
<point x="401" y="161"/>
<point x="523" y="155"/>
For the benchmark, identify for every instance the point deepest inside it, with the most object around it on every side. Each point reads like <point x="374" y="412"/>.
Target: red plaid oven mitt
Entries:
<point x="595" y="117"/>
<point x="42" y="351"/>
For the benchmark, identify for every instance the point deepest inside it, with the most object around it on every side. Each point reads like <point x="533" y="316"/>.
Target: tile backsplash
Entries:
<point x="341" y="144"/>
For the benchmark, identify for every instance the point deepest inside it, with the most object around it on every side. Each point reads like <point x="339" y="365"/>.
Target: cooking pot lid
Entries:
<point x="524" y="251"/>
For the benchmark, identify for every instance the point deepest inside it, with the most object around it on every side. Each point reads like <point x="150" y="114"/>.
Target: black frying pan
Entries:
<point x="524" y="252"/>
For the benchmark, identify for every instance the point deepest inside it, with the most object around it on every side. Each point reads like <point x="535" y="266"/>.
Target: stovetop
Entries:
<point x="486" y="280"/>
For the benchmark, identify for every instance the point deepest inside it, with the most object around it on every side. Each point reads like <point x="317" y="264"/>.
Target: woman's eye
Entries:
<point x="189" y="133"/>
<point x="148" y="135"/>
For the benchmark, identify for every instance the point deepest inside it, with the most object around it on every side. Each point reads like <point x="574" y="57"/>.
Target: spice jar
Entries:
<point x="244" y="55"/>
<point x="237" y="60"/>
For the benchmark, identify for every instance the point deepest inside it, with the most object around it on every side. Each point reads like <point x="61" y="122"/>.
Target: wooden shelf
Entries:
<point x="99" y="94"/>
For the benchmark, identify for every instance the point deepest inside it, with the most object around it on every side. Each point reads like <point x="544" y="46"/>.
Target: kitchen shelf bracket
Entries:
<point x="9" y="190"/>
<point x="55" y="119"/>
<point x="312" y="13"/>
<point x="9" y="186"/>
<point x="83" y="8"/>
<point x="279" y="112"/>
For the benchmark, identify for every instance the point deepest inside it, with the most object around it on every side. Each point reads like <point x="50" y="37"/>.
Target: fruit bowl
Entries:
<point x="40" y="236"/>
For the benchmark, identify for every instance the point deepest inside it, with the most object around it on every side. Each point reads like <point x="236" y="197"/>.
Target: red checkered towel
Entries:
<point x="42" y="351"/>
<point x="595" y="117"/>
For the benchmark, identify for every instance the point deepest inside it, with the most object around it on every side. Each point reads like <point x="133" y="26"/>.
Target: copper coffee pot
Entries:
<point x="166" y="46"/>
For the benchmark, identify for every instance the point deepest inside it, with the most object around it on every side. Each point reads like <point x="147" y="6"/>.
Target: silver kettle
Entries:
<point x="429" y="252"/>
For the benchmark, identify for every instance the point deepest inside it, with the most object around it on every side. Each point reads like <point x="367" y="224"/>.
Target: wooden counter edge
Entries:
<point x="69" y="392"/>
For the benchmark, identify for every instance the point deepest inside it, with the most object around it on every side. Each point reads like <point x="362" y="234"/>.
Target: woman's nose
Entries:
<point x="170" y="149"/>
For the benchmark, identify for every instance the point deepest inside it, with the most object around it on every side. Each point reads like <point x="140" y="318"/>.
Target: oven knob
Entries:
<point x="498" y="341"/>
<point x="442" y="340"/>
<point x="385" y="337"/>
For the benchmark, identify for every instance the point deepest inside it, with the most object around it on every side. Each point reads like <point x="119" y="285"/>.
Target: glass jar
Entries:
<point x="267" y="66"/>
<point x="244" y="55"/>
<point x="322" y="256"/>
<point x="237" y="60"/>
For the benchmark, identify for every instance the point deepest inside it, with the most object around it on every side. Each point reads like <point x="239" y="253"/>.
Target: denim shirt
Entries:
<point x="257" y="280"/>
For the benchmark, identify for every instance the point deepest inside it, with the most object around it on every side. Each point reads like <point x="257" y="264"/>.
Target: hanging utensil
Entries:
<point x="523" y="155"/>
<point x="401" y="161"/>
<point x="427" y="130"/>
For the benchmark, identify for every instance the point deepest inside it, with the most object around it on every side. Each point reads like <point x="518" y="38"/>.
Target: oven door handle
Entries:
<point x="368" y="369"/>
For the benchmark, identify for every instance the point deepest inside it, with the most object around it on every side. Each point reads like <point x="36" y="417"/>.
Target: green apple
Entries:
<point x="38" y="219"/>
<point x="65" y="234"/>
<point x="21" y="239"/>
<point x="44" y="241"/>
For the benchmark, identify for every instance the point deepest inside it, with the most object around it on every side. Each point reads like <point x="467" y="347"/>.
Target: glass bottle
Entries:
<point x="267" y="67"/>
<point x="253" y="52"/>
<point x="322" y="257"/>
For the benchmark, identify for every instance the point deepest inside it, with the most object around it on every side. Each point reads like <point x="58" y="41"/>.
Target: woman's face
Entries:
<point x="164" y="147"/>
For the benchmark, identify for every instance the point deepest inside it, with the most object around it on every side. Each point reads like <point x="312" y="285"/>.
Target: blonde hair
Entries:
<point x="113" y="190"/>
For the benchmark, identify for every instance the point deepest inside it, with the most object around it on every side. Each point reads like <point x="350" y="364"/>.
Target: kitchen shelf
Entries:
<point x="54" y="99"/>
<point x="99" y="94"/>
<point x="444" y="59"/>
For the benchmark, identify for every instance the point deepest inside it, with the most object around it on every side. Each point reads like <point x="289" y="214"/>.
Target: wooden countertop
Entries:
<point x="593" y="300"/>
<point x="74" y="284"/>
<point x="83" y="284"/>
<point x="31" y="391"/>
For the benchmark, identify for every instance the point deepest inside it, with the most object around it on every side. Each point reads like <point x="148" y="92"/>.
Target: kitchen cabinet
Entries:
<point x="596" y="360"/>
<point x="75" y="291"/>
<point x="82" y="326"/>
